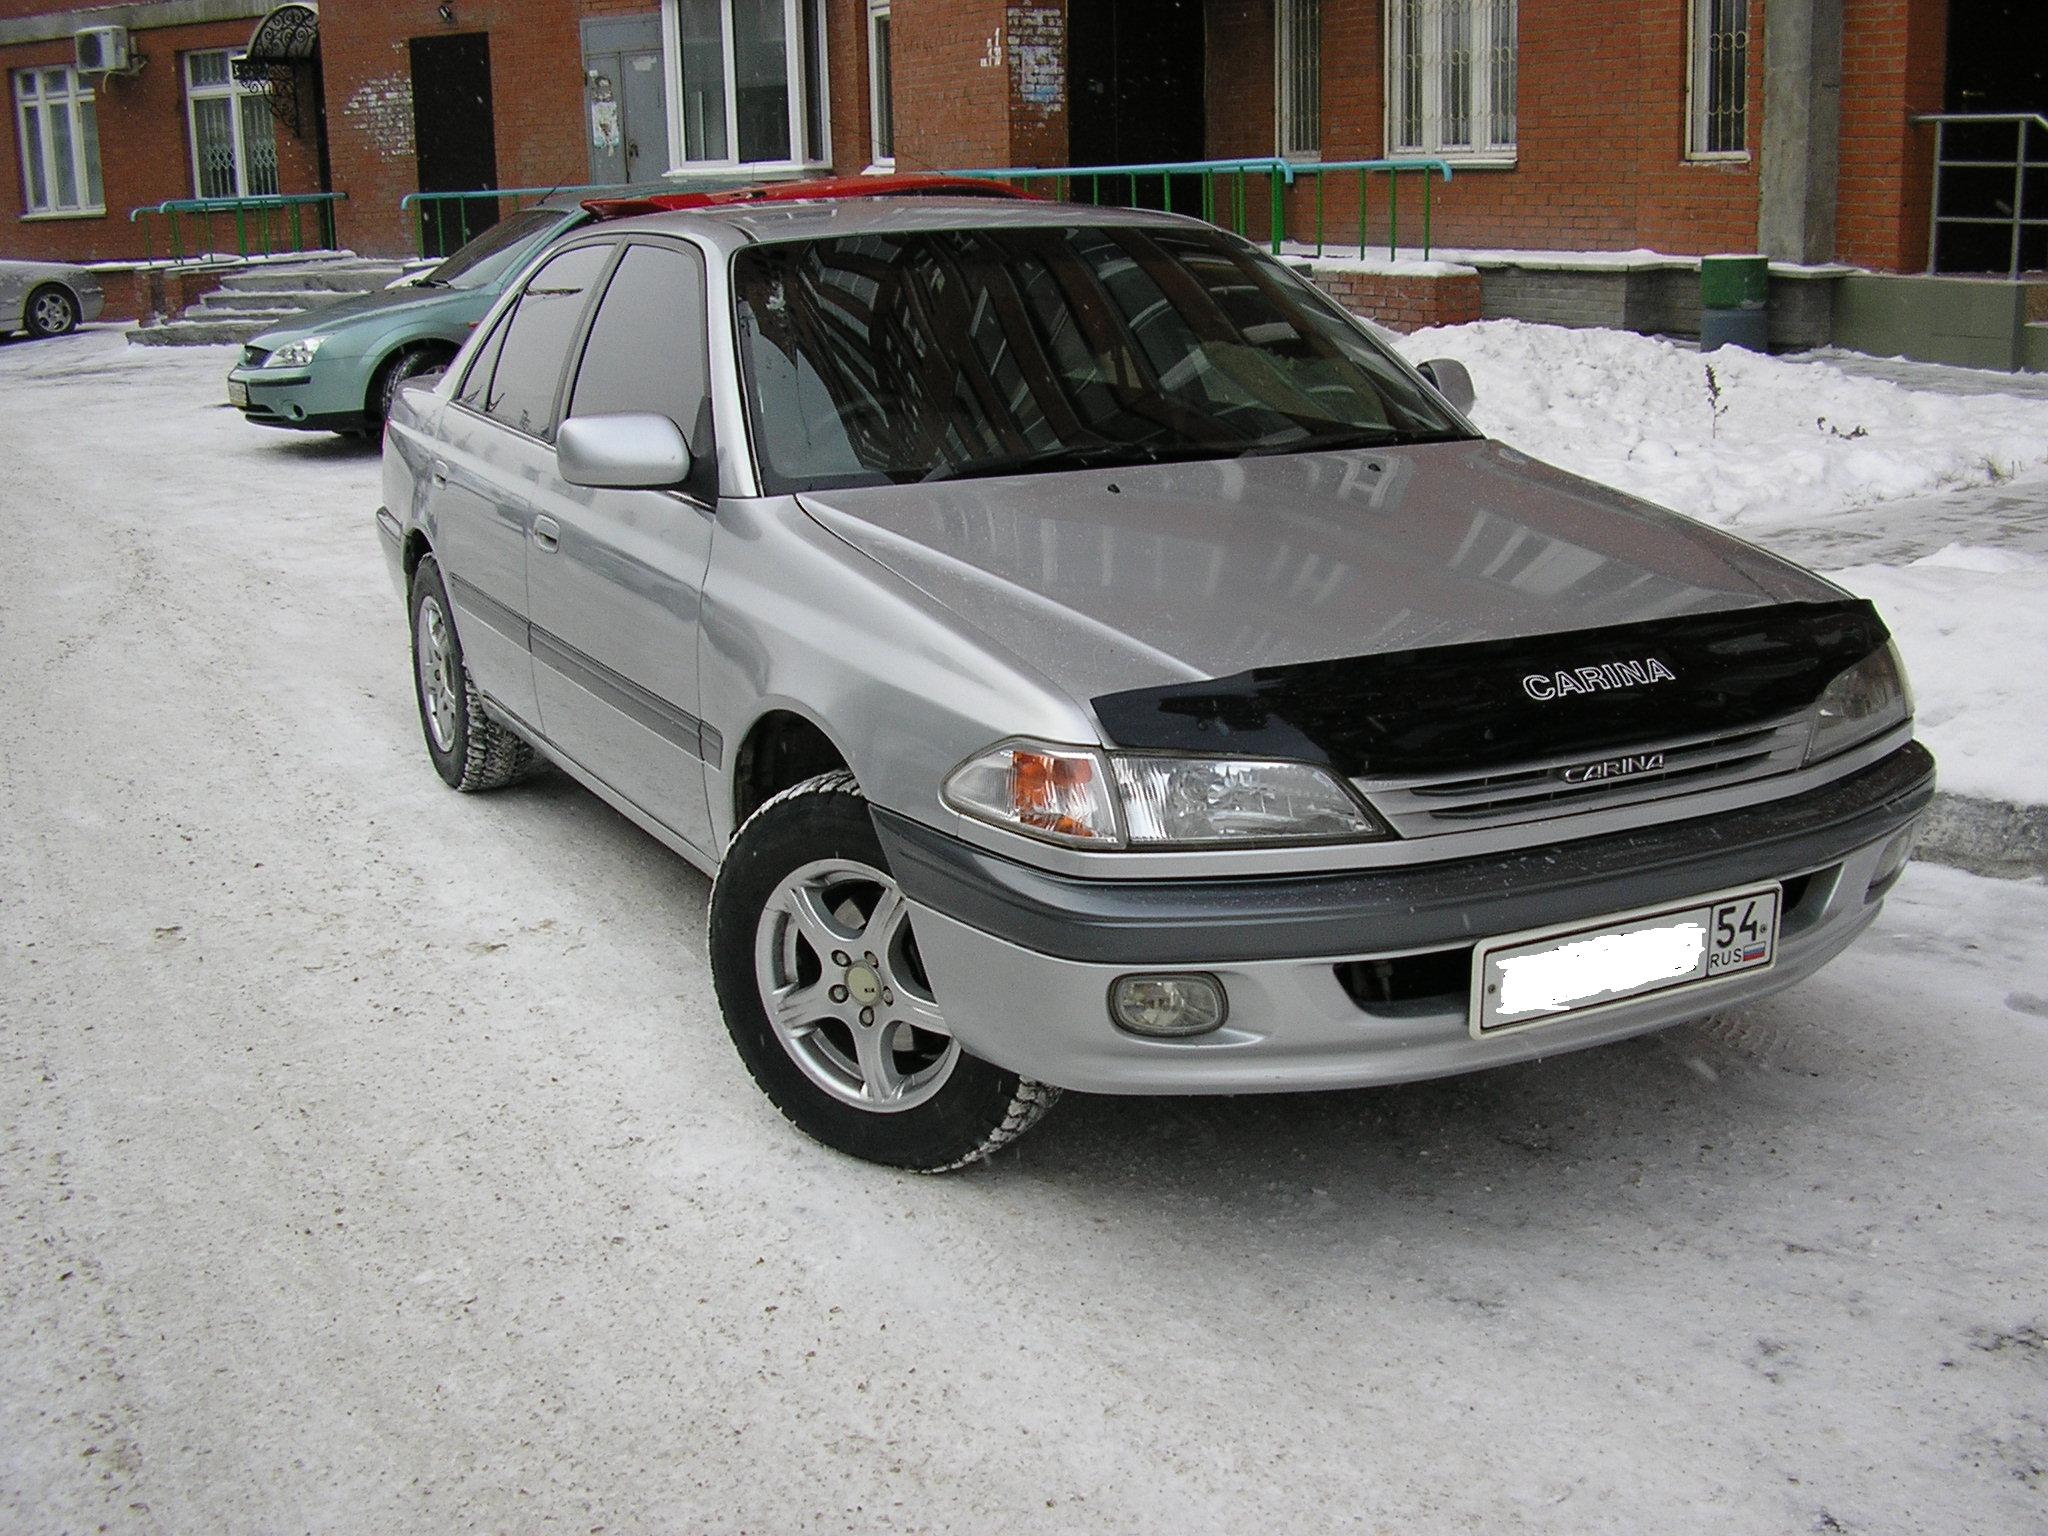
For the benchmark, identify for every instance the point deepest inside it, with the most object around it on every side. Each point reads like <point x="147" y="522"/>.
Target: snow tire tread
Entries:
<point x="1028" y="1101"/>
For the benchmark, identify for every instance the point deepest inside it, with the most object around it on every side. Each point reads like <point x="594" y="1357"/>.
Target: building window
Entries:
<point x="1718" y="91"/>
<point x="60" y="142"/>
<point x="234" y="137"/>
<point x="752" y="86"/>
<point x="1298" y="92"/>
<point x="1451" y="78"/>
<point x="881" y="85"/>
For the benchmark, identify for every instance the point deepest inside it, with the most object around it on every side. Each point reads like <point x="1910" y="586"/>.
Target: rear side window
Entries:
<point x="478" y="380"/>
<point x="647" y="348"/>
<point x="536" y="344"/>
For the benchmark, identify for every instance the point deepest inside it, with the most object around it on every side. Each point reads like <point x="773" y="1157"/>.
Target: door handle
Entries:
<point x="439" y="473"/>
<point x="547" y="533"/>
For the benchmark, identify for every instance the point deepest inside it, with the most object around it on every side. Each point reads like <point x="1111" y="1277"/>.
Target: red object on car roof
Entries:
<point x="820" y="190"/>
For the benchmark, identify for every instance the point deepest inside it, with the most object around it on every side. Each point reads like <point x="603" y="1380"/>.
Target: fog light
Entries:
<point x="1893" y="862"/>
<point x="1168" y="1006"/>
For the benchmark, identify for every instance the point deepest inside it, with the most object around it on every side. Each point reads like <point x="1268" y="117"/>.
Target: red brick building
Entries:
<point x="1684" y="126"/>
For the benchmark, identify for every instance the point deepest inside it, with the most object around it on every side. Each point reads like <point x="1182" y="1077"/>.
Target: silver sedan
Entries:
<point x="46" y="298"/>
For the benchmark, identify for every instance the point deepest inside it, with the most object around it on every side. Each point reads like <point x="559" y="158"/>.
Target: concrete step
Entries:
<point x="284" y="300"/>
<point x="199" y="333"/>
<point x="330" y="278"/>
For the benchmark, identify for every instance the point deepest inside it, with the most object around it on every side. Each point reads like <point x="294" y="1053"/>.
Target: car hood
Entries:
<point x="1132" y="578"/>
<point x="382" y="305"/>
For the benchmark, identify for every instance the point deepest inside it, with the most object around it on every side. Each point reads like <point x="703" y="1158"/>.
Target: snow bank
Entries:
<point x="1782" y="442"/>
<point x="1973" y="627"/>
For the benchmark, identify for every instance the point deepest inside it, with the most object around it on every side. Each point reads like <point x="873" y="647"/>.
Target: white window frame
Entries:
<point x="31" y="93"/>
<point x="793" y="73"/>
<point x="234" y="92"/>
<point x="1487" y="147"/>
<point x="1292" y="20"/>
<point x="879" y="64"/>
<point x="1698" y="73"/>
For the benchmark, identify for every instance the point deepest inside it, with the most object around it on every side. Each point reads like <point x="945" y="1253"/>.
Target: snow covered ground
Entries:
<point x="373" y="1159"/>
<point x="1790" y="453"/>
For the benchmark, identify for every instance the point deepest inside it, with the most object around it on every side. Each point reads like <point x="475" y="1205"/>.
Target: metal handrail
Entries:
<point x="259" y="211"/>
<point x="2022" y="124"/>
<point x="439" y="203"/>
<point x="1280" y="175"/>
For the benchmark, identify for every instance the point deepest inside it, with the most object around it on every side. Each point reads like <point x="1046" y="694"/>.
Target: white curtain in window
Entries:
<point x="1451" y="84"/>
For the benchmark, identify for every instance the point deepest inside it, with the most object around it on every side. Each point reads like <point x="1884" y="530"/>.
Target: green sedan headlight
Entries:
<point x="295" y="354"/>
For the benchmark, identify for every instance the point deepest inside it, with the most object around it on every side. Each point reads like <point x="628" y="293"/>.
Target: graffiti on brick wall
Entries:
<point x="381" y="110"/>
<point x="1038" y="66"/>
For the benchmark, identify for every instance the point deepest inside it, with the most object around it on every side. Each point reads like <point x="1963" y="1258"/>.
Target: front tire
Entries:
<point x="471" y="751"/>
<point x="50" y="311"/>
<point x="826" y="997"/>
<point x="420" y="365"/>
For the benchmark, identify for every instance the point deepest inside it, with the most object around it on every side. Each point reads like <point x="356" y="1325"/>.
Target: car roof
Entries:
<point x="736" y="224"/>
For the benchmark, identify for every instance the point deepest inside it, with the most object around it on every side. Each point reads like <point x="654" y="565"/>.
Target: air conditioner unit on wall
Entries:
<point x="101" y="50"/>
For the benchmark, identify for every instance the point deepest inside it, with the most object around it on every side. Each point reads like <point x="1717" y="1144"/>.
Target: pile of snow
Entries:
<point x="1973" y="627"/>
<point x="1731" y="437"/>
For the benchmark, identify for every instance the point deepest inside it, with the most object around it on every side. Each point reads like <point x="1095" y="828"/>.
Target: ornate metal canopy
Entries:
<point x="283" y="59"/>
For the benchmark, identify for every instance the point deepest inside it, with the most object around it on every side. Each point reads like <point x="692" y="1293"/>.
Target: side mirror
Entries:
<point x="630" y="451"/>
<point x="1451" y="381"/>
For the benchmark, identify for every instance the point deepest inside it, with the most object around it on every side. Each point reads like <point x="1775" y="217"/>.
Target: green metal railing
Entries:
<point x="265" y="226"/>
<point x="1225" y="192"/>
<point x="446" y="221"/>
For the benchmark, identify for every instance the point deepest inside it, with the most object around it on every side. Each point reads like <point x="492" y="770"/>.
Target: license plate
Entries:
<point x="238" y="394"/>
<point x="1522" y="980"/>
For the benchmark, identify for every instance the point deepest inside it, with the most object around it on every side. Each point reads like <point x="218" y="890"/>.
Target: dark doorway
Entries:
<point x="452" y="135"/>
<point x="1135" y="95"/>
<point x="1997" y="63"/>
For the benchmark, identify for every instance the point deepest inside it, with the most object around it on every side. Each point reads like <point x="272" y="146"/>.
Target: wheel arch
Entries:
<point x="782" y="747"/>
<point x="373" y="391"/>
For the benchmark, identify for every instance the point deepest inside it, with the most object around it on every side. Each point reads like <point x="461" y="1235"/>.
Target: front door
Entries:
<point x="453" y="139"/>
<point x="617" y="587"/>
<point x="625" y="99"/>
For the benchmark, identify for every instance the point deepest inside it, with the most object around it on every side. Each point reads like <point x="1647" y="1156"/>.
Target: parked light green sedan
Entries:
<point x="338" y="367"/>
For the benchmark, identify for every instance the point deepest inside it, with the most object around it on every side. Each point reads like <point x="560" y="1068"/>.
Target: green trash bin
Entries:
<point x="1735" y="302"/>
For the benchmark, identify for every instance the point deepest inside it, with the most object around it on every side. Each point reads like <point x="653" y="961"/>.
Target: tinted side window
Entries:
<point x="478" y="379"/>
<point x="647" y="349"/>
<point x="522" y="392"/>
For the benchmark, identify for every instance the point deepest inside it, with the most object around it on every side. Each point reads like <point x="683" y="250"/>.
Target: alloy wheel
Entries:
<point x="845" y="990"/>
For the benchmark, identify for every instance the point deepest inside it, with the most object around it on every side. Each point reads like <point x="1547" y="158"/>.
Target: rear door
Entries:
<point x="496" y="447"/>
<point x="618" y="580"/>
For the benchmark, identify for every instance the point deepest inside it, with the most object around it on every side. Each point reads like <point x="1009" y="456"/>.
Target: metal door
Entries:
<point x="625" y="99"/>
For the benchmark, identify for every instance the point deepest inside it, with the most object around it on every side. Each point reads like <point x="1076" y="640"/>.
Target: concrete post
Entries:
<point x="1802" y="130"/>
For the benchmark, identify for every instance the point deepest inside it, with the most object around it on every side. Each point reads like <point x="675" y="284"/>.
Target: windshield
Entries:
<point x="494" y="253"/>
<point x="895" y="358"/>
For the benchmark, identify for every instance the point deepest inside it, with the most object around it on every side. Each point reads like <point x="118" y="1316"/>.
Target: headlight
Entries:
<point x="1865" y="701"/>
<point x="1232" y="800"/>
<point x="295" y="354"/>
<point x="1083" y="797"/>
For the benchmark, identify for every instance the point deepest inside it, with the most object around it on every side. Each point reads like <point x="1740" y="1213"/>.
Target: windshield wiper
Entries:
<point x="1088" y="456"/>
<point x="1328" y="442"/>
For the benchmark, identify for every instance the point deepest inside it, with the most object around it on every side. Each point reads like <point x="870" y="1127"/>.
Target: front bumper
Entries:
<point x="272" y="397"/>
<point x="1022" y="959"/>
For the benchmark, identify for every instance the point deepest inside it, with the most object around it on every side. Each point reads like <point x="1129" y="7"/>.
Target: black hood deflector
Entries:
<point x="1459" y="708"/>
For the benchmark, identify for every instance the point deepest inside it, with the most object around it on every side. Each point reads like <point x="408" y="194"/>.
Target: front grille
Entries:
<point x="1431" y="807"/>
<point x="254" y="357"/>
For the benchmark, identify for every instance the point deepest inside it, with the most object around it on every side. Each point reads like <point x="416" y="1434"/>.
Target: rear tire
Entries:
<point x="50" y="311"/>
<point x="471" y="751"/>
<point x="826" y="999"/>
